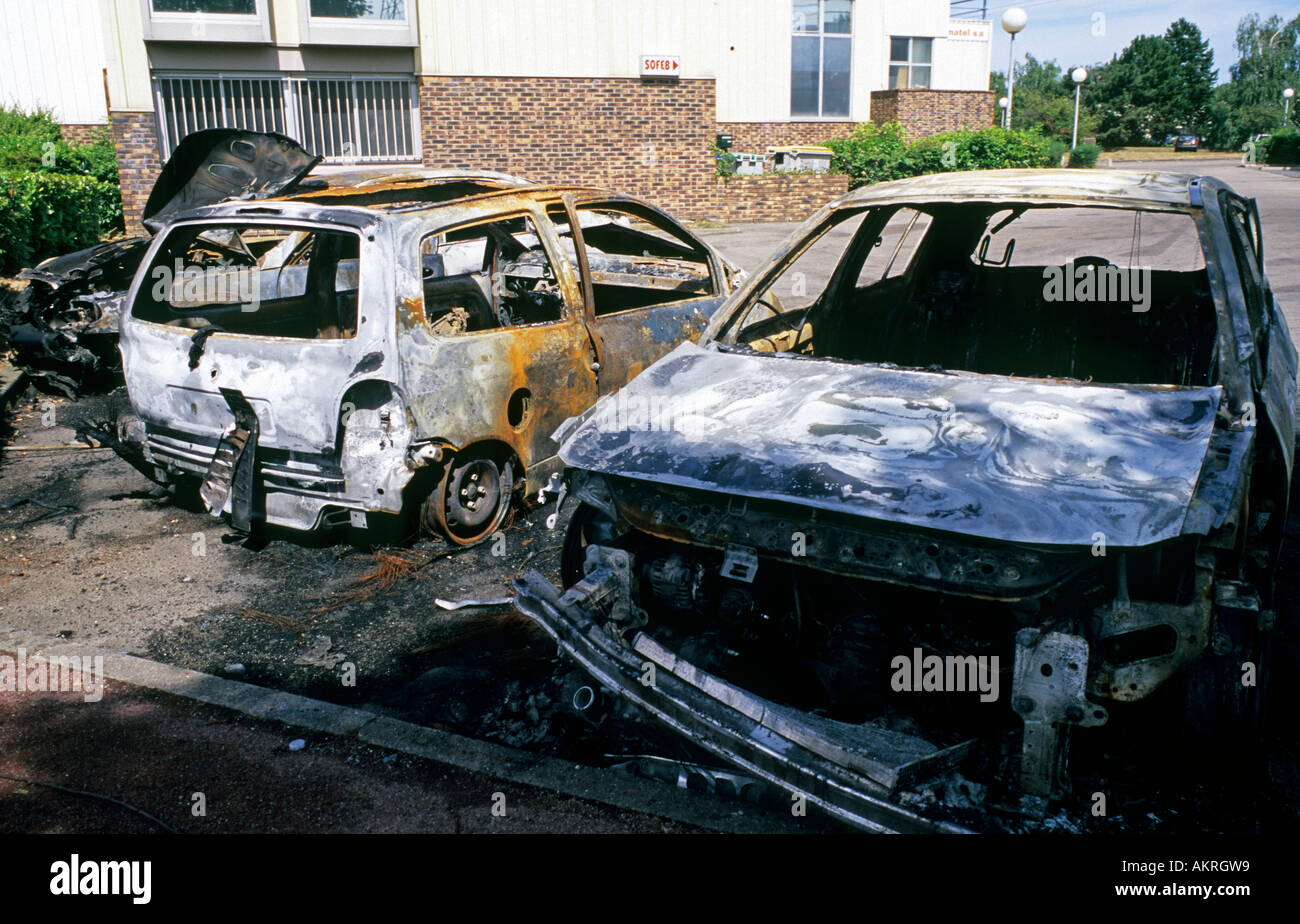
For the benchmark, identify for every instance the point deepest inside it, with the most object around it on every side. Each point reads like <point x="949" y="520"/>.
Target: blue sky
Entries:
<point x="1063" y="29"/>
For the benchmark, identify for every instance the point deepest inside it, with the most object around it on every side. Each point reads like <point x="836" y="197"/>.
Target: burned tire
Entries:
<point x="471" y="501"/>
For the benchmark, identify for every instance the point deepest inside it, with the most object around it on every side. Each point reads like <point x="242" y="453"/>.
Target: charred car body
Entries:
<point x="64" y="325"/>
<point x="1012" y="460"/>
<point x="383" y="345"/>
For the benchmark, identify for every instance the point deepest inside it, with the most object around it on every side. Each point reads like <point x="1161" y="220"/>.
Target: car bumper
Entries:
<point x="847" y="771"/>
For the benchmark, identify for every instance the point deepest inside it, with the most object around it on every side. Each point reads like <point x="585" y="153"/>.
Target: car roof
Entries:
<point x="415" y="190"/>
<point x="1143" y="189"/>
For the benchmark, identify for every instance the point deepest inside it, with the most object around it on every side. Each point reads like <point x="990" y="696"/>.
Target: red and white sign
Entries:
<point x="661" y="66"/>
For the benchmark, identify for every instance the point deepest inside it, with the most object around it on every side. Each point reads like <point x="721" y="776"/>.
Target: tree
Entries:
<point x="1190" y="95"/>
<point x="1044" y="99"/>
<point x="1158" y="85"/>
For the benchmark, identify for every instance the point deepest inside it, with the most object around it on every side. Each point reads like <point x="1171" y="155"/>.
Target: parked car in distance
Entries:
<point x="1038" y="419"/>
<point x="1187" y="143"/>
<point x="369" y="348"/>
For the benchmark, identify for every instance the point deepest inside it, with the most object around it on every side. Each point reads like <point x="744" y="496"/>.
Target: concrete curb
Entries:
<point x="12" y="380"/>
<point x="588" y="783"/>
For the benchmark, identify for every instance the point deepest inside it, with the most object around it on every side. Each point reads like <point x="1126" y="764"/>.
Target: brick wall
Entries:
<point x="135" y="135"/>
<point x="80" y="134"/>
<point x="928" y="112"/>
<point x="757" y="137"/>
<point x="776" y="197"/>
<point x="647" y="138"/>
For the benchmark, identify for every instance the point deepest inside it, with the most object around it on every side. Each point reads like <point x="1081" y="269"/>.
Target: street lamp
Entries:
<point x="1002" y="104"/>
<point x="1286" y="98"/>
<point x="1013" y="20"/>
<point x="1078" y="75"/>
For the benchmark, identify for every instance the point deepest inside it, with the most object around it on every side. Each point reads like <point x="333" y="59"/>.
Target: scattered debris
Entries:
<point x="461" y="604"/>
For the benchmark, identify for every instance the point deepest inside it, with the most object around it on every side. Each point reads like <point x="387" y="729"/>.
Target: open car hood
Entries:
<point x="1021" y="460"/>
<point x="225" y="163"/>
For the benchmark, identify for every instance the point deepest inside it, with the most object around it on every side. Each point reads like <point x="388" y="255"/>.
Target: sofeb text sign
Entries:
<point x="661" y="66"/>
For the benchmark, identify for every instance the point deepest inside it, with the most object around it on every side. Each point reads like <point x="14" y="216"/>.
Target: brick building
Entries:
<point x="612" y="92"/>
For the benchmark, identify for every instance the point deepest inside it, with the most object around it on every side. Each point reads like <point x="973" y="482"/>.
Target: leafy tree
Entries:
<point x="1158" y="85"/>
<point x="1044" y="99"/>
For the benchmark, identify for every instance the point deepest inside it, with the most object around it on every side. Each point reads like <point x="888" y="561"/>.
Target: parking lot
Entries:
<point x="90" y="551"/>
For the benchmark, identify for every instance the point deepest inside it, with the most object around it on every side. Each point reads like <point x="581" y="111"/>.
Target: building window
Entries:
<point x="347" y="119"/>
<point x="909" y="63"/>
<point x="821" y="51"/>
<point x="381" y="10"/>
<point x="235" y="7"/>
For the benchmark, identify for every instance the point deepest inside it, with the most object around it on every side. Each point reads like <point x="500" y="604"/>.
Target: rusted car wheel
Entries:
<point x="470" y="502"/>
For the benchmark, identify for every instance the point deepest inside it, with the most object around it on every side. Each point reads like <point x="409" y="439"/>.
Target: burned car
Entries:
<point x="385" y="347"/>
<point x="1011" y="462"/>
<point x="64" y="324"/>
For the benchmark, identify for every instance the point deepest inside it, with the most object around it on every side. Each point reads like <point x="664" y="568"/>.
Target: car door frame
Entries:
<point x="631" y="340"/>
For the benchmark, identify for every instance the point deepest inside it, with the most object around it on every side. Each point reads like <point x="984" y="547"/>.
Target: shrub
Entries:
<point x="55" y="197"/>
<point x="1056" y="150"/>
<point x="871" y="154"/>
<point x="1282" y="148"/>
<point x="725" y="160"/>
<point x="1085" y="155"/>
<point x="987" y="149"/>
<point x="43" y="214"/>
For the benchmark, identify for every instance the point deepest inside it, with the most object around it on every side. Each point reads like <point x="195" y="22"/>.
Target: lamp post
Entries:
<point x="1002" y="104"/>
<point x="1013" y="20"/>
<point x="1078" y="75"/>
<point x="1286" y="102"/>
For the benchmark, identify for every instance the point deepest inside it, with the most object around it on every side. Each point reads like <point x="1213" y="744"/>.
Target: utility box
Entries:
<point x="802" y="159"/>
<point x="749" y="164"/>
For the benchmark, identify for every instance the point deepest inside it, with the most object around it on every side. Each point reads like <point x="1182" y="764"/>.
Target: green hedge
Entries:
<point x="1085" y="155"/>
<point x="55" y="197"/>
<point x="871" y="154"/>
<point x="45" y="214"/>
<point x="1282" y="148"/>
<point x="875" y="153"/>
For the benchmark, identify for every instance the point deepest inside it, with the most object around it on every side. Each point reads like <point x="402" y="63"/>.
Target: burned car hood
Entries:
<point x="1021" y="460"/>
<point x="225" y="163"/>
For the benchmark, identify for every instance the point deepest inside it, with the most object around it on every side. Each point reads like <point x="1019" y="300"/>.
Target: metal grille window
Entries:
<point x="821" y="52"/>
<point x="347" y="119"/>
<point x="909" y="63"/>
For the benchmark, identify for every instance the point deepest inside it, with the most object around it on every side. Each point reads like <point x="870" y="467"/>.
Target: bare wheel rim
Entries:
<point x="472" y="500"/>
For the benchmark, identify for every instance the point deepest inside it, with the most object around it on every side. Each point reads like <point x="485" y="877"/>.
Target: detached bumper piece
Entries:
<point x="230" y="476"/>
<point x="849" y="771"/>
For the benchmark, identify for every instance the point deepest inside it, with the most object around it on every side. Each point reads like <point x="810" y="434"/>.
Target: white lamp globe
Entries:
<point x="1079" y="75"/>
<point x="1014" y="19"/>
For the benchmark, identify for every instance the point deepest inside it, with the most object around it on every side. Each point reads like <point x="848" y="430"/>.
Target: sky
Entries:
<point x="1064" y="29"/>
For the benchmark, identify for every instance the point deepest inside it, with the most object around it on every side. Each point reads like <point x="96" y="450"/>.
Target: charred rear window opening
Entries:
<point x="263" y="280"/>
<point x="636" y="259"/>
<point x="998" y="289"/>
<point x="489" y="275"/>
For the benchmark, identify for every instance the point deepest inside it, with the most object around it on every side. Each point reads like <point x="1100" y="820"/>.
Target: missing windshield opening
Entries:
<point x="991" y="289"/>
